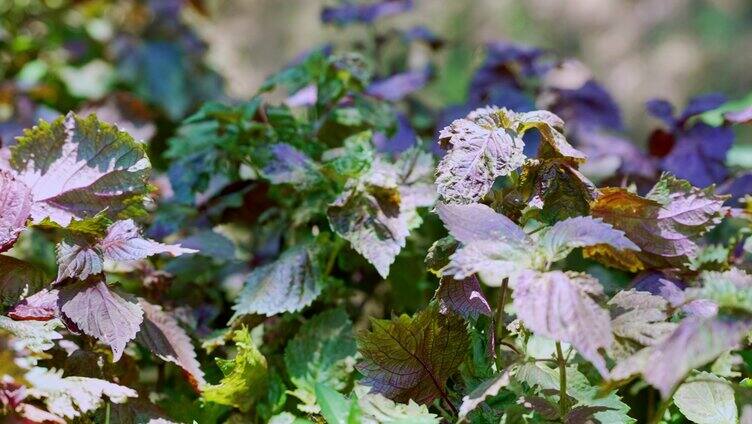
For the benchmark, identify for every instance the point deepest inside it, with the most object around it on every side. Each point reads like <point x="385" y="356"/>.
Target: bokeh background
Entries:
<point x="638" y="49"/>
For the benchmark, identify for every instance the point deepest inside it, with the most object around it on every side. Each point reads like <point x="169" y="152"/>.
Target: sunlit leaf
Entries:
<point x="77" y="167"/>
<point x="245" y="376"/>
<point x="473" y="222"/>
<point x="100" y="312"/>
<point x="482" y="146"/>
<point x="377" y="409"/>
<point x="15" y="208"/>
<point x="694" y="343"/>
<point x="555" y="305"/>
<point x="71" y="396"/>
<point x="639" y="319"/>
<point x="564" y="236"/>
<point x="666" y="224"/>
<point x="35" y="336"/>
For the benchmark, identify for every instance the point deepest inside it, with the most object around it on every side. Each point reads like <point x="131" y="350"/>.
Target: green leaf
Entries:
<point x="322" y="352"/>
<point x="376" y="409"/>
<point x="288" y="284"/>
<point x="707" y="399"/>
<point x="731" y="289"/>
<point x="412" y="357"/>
<point x="18" y="278"/>
<point x="245" y="376"/>
<point x="335" y="407"/>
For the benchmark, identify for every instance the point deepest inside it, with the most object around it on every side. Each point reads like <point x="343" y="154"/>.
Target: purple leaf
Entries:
<point x="589" y="106"/>
<point x="102" y="313"/>
<point x="743" y="116"/>
<point x="77" y="167"/>
<point x="476" y="221"/>
<point x="581" y="231"/>
<point x="659" y="284"/>
<point x="663" y="110"/>
<point x="694" y="343"/>
<point x="403" y="138"/>
<point x="77" y="261"/>
<point x="348" y="12"/>
<point x="124" y="242"/>
<point x="397" y="87"/>
<point x="15" y="209"/>
<point x="481" y="149"/>
<point x="699" y="155"/>
<point x="163" y="336"/>
<point x="554" y="305"/>
<point x="41" y="306"/>
<point x="737" y="188"/>
<point x="463" y="297"/>
<point x="639" y="320"/>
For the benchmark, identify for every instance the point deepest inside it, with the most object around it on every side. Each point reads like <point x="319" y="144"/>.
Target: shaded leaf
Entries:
<point x="731" y="289"/>
<point x="485" y="390"/>
<point x="18" y="278"/>
<point x="288" y="284"/>
<point x="463" y="297"/>
<point x="245" y="376"/>
<point x="411" y="357"/>
<point x="707" y="399"/>
<point x="554" y="305"/>
<point x="371" y="218"/>
<point x="321" y="352"/>
<point x="15" y="209"/>
<point x="370" y="12"/>
<point x="288" y="165"/>
<point x="77" y="167"/>
<point x="163" y="336"/>
<point x="100" y="312"/>
<point x="71" y="396"/>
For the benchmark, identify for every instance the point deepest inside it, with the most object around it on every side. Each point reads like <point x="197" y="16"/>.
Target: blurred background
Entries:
<point x="638" y="49"/>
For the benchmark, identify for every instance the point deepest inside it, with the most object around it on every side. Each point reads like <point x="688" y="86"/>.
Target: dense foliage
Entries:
<point x="341" y="249"/>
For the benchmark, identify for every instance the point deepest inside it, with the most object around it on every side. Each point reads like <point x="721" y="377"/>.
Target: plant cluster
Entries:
<point x="356" y="252"/>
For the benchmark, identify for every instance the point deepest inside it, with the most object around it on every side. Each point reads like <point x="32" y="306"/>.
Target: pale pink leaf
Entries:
<point x="102" y="313"/>
<point x="467" y="223"/>
<point x="15" y="209"/>
<point x="553" y="305"/>
<point x="124" y="242"/>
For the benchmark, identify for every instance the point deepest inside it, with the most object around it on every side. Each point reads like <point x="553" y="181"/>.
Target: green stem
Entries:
<point x="500" y="327"/>
<point x="662" y="407"/>
<point x="338" y="243"/>
<point x="107" y="414"/>
<point x="563" y="407"/>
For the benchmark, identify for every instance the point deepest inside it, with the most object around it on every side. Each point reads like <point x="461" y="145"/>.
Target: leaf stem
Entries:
<point x="107" y="414"/>
<point x="500" y="327"/>
<point x="563" y="407"/>
<point x="662" y="407"/>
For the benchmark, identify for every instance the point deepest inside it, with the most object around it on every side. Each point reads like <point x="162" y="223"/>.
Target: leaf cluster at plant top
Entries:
<point x="356" y="253"/>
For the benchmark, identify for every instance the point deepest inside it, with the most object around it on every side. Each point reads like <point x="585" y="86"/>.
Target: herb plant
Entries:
<point x="357" y="253"/>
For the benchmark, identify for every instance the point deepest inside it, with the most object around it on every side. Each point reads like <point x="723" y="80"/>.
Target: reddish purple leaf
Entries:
<point x="41" y="306"/>
<point x="15" y="209"/>
<point x="463" y="297"/>
<point x="161" y="333"/>
<point x="102" y="313"/>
